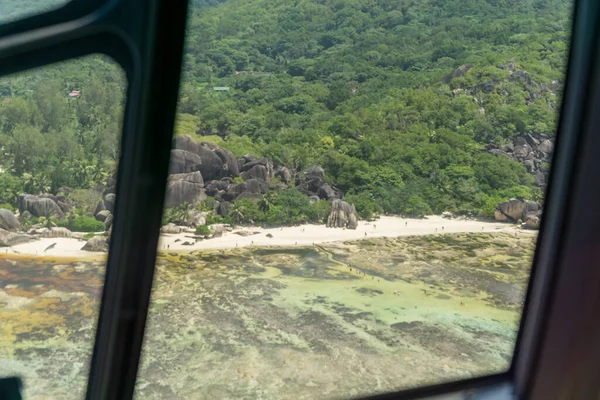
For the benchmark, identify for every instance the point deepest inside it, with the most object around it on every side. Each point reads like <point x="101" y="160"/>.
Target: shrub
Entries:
<point x="176" y="215"/>
<point x="319" y="211"/>
<point x="365" y="205"/>
<point x="85" y="200"/>
<point x="7" y="206"/>
<point x="207" y="205"/>
<point x="203" y="230"/>
<point x="82" y="224"/>
<point x="214" y="219"/>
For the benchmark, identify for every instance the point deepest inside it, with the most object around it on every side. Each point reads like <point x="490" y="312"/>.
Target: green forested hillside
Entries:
<point x="358" y="87"/>
<point x="363" y="88"/>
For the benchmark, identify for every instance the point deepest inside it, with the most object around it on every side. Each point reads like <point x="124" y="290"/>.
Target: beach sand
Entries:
<point x="302" y="235"/>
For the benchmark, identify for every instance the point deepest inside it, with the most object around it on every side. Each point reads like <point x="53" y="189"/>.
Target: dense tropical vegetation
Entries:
<point x="363" y="88"/>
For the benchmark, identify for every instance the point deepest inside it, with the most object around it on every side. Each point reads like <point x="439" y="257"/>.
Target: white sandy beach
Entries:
<point x="303" y="235"/>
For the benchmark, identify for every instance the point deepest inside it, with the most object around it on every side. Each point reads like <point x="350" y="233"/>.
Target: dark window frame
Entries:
<point x="558" y="330"/>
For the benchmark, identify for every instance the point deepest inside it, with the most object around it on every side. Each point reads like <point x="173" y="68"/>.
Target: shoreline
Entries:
<point x="301" y="235"/>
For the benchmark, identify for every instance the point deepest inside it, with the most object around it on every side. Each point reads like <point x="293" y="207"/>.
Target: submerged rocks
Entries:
<point x="97" y="243"/>
<point x="343" y="215"/>
<point x="8" y="220"/>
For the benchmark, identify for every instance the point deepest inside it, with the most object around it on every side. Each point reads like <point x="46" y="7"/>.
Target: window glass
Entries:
<point x="354" y="195"/>
<point x="11" y="10"/>
<point x="59" y="134"/>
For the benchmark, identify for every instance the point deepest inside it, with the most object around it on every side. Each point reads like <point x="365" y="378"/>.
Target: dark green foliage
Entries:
<point x="7" y="206"/>
<point x="362" y="88"/>
<point x="203" y="230"/>
<point x="284" y="207"/>
<point x="176" y="215"/>
<point x="366" y="206"/>
<point x="82" y="224"/>
<point x="216" y="219"/>
<point x="207" y="205"/>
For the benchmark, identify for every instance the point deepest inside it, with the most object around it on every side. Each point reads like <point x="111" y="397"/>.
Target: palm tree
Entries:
<point x="48" y="220"/>
<point x="237" y="212"/>
<point x="267" y="201"/>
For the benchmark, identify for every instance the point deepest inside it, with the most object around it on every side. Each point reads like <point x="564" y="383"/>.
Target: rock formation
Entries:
<point x="97" y="243"/>
<point x="184" y="188"/>
<point x="514" y="210"/>
<point x="12" y="238"/>
<point x="535" y="153"/>
<point x="8" y="220"/>
<point x="342" y="215"/>
<point x="39" y="206"/>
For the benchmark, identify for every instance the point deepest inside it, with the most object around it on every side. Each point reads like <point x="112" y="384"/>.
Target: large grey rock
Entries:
<point x="99" y="207"/>
<point x="183" y="161"/>
<point x="12" y="238"/>
<point x="256" y="172"/>
<point x="171" y="228"/>
<point x="522" y="151"/>
<point x="218" y="229"/>
<point x="215" y="162"/>
<point x="184" y="188"/>
<point x="533" y="222"/>
<point x="230" y="164"/>
<point x="514" y="210"/>
<point x="546" y="146"/>
<point x="530" y="206"/>
<point x="284" y="174"/>
<point x="223" y="208"/>
<point x="102" y="215"/>
<point x="509" y="210"/>
<point x="186" y="142"/>
<point x="97" y="243"/>
<point x="251" y="164"/>
<point x="109" y="201"/>
<point x="342" y="215"/>
<point x="314" y="178"/>
<point x="39" y="206"/>
<point x="326" y="192"/>
<point x="64" y="206"/>
<point x="108" y="222"/>
<point x="8" y="220"/>
<point x="212" y="165"/>
<point x="196" y="218"/>
<point x="57" y="232"/>
<point x="254" y="186"/>
<point x="216" y="186"/>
